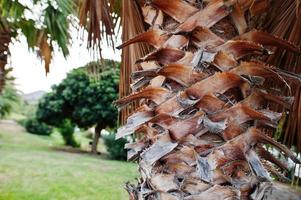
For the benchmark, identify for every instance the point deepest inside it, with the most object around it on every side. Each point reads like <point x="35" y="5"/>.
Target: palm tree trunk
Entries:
<point x="205" y="120"/>
<point x="281" y="191"/>
<point x="2" y="75"/>
<point x="5" y="39"/>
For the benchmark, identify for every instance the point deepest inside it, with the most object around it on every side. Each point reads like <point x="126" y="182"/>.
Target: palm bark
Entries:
<point x="5" y="39"/>
<point x="205" y="116"/>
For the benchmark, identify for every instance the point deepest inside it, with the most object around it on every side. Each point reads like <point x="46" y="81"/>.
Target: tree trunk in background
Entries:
<point x="96" y="137"/>
<point x="206" y="117"/>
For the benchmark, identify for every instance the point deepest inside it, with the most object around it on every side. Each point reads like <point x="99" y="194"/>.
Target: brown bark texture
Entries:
<point x="205" y="118"/>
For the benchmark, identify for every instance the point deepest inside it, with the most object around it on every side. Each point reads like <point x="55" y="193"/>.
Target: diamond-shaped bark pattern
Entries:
<point x="201" y="129"/>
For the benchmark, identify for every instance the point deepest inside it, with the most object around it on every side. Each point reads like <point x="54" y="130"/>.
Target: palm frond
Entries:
<point x="12" y="10"/>
<point x="56" y="23"/>
<point x="97" y="17"/>
<point x="53" y="22"/>
<point x="45" y="49"/>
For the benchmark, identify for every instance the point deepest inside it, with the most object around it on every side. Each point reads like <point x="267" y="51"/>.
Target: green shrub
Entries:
<point x="67" y="130"/>
<point x="36" y="127"/>
<point x="115" y="147"/>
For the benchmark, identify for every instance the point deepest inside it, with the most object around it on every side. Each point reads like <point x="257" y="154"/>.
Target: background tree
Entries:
<point x="50" y="111"/>
<point x="85" y="101"/>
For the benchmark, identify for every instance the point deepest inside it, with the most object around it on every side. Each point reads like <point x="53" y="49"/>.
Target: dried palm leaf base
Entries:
<point x="205" y="114"/>
<point x="132" y="25"/>
<point x="284" y="21"/>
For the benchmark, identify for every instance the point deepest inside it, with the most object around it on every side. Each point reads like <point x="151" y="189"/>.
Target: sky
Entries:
<point x="29" y="70"/>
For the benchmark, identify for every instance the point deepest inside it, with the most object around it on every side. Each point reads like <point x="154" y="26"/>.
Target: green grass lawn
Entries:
<point x="30" y="169"/>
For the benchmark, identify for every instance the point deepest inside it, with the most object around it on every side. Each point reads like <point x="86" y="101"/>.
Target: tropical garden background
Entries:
<point x="61" y="143"/>
<point x="64" y="136"/>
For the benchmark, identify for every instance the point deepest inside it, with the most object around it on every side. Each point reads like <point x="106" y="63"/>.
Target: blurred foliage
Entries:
<point x="36" y="16"/>
<point x="36" y="127"/>
<point x="83" y="100"/>
<point x="67" y="129"/>
<point x="115" y="147"/>
<point x="26" y="109"/>
<point x="50" y="109"/>
<point x="8" y="99"/>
